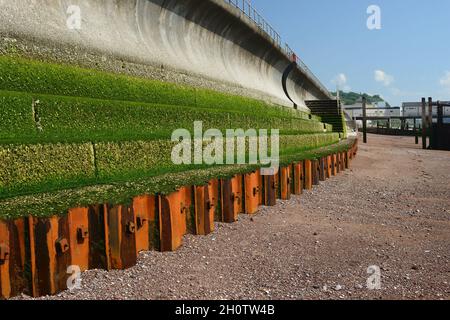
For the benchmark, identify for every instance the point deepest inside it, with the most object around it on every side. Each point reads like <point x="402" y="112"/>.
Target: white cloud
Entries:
<point x="341" y="82"/>
<point x="383" y="77"/>
<point x="445" y="81"/>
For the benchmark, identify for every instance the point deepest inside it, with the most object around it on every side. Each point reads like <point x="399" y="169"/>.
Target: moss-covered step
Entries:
<point x="45" y="201"/>
<point x="37" y="77"/>
<point x="34" y="168"/>
<point x="28" y="118"/>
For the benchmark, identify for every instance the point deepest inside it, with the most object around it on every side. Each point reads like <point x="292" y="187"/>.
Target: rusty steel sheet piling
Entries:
<point x="231" y="199"/>
<point x="35" y="253"/>
<point x="122" y="236"/>
<point x="315" y="172"/>
<point x="172" y="222"/>
<point x="13" y="280"/>
<point x="252" y="192"/>
<point x="298" y="177"/>
<point x="147" y="230"/>
<point x="270" y="190"/>
<point x="285" y="182"/>
<point x="322" y="169"/>
<point x="308" y="175"/>
<point x="204" y="210"/>
<point x="50" y="254"/>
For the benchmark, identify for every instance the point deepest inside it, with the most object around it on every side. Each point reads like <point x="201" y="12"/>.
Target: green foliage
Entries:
<point x="350" y="98"/>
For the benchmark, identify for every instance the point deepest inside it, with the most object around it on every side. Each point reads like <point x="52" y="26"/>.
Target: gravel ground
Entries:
<point x="391" y="210"/>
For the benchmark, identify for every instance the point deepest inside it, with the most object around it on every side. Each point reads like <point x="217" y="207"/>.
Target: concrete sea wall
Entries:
<point x="197" y="39"/>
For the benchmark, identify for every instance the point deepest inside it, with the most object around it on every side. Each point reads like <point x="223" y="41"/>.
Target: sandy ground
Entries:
<point x="391" y="210"/>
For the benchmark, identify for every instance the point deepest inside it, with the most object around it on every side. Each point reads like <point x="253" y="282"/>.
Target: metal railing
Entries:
<point x="248" y="10"/>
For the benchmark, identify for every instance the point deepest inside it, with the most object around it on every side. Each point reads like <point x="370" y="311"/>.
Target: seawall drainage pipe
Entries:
<point x="198" y="38"/>
<point x="39" y="255"/>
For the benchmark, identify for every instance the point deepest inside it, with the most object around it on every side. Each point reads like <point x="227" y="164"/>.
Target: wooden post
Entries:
<point x="440" y="122"/>
<point x="424" y="124"/>
<point x="364" y="109"/>
<point x="440" y="114"/>
<point x="430" y="121"/>
<point x="416" y="136"/>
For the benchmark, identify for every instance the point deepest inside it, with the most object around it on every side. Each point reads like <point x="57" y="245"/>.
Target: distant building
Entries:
<point x="372" y="110"/>
<point x="414" y="109"/>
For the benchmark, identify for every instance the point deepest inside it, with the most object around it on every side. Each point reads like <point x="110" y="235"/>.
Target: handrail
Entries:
<point x="248" y="10"/>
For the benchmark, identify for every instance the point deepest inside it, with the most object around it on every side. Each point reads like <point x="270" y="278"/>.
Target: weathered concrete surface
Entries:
<point x="392" y="209"/>
<point x="203" y="38"/>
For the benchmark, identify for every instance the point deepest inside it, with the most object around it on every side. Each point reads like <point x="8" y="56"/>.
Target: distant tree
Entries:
<point x="349" y="98"/>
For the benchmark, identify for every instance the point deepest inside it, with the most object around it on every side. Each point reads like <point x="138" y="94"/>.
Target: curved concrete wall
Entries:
<point x="207" y="38"/>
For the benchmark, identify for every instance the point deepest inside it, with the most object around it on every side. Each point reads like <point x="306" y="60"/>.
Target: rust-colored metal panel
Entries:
<point x="237" y="183"/>
<point x="329" y="166"/>
<point x="214" y="197"/>
<point x="186" y="221"/>
<point x="78" y="220"/>
<point x="261" y="188"/>
<point x="5" y="252"/>
<point x="231" y="198"/>
<point x="347" y="160"/>
<point x="13" y="280"/>
<point x="122" y="237"/>
<point x="338" y="158"/>
<point x="114" y="236"/>
<point x="335" y="164"/>
<point x="98" y="242"/>
<point x="276" y="179"/>
<point x="308" y="175"/>
<point x="285" y="182"/>
<point x="51" y="246"/>
<point x="144" y="214"/>
<point x="62" y="257"/>
<point x="322" y="169"/>
<point x="342" y="161"/>
<point x="252" y="192"/>
<point x="204" y="211"/>
<point x="289" y="181"/>
<point x="170" y="221"/>
<point x="270" y="190"/>
<point x="33" y="263"/>
<point x="299" y="181"/>
<point x="227" y="200"/>
<point x="315" y="172"/>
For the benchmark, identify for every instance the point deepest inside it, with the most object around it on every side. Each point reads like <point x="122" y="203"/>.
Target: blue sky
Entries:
<point x="405" y="60"/>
